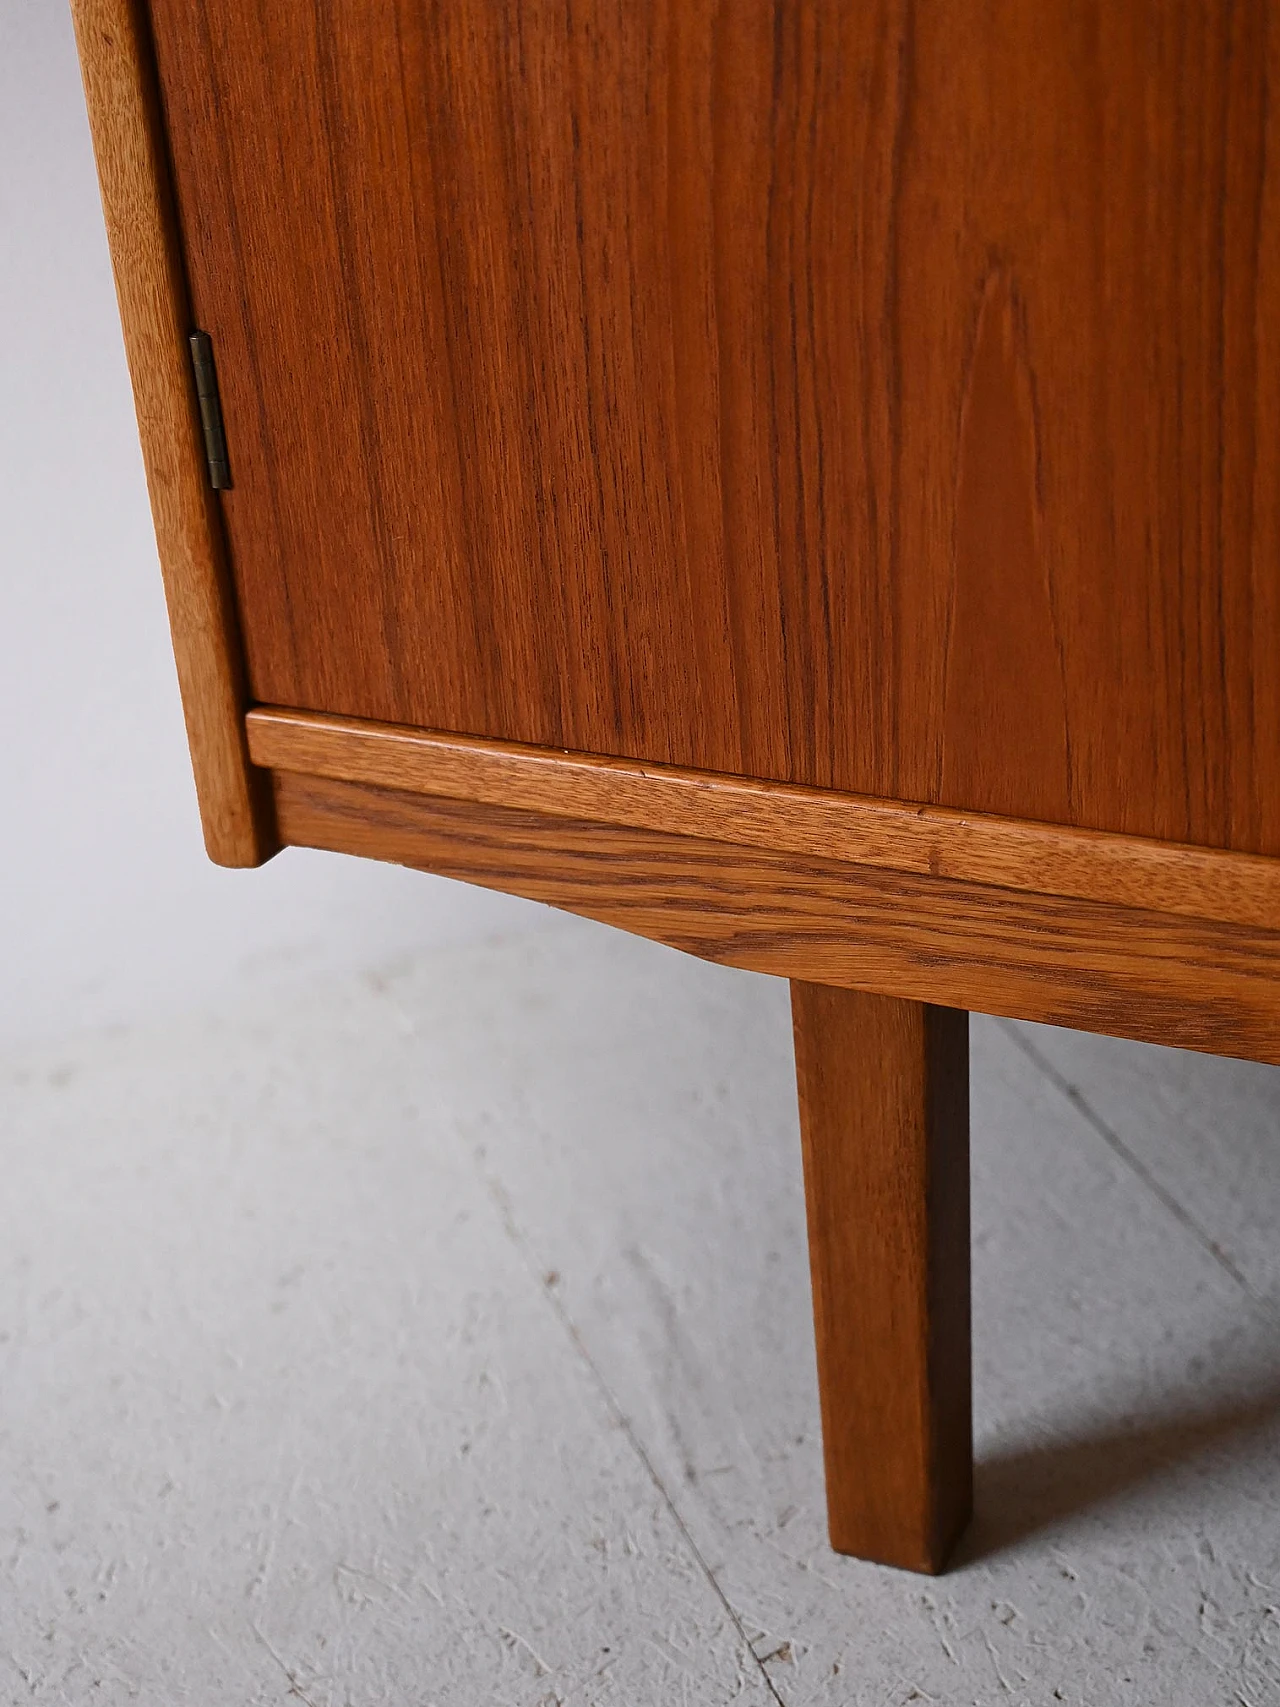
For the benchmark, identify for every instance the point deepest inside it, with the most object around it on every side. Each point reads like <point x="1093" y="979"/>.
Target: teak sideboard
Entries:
<point x="800" y="481"/>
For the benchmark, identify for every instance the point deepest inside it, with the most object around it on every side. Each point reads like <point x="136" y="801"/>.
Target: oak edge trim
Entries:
<point x="135" y="181"/>
<point x="1215" y="885"/>
<point x="1121" y="971"/>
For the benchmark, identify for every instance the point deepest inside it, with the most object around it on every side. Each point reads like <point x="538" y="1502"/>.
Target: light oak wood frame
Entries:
<point x="146" y="254"/>
<point x="1106" y="933"/>
<point x="842" y="895"/>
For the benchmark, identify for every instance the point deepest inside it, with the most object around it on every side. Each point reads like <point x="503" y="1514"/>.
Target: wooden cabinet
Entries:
<point x="800" y="481"/>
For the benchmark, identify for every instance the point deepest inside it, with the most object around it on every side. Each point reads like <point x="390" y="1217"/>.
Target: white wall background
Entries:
<point x="108" y="907"/>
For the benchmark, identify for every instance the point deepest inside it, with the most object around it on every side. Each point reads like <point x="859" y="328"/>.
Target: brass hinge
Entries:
<point x="215" y="438"/>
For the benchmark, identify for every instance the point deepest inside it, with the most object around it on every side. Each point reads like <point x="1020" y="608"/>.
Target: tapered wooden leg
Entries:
<point x="884" y="1116"/>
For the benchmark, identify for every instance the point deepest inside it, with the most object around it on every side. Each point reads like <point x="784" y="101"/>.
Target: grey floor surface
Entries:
<point x="442" y="1339"/>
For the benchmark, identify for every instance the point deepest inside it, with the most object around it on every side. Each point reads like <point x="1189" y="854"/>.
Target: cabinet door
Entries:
<point x="875" y="395"/>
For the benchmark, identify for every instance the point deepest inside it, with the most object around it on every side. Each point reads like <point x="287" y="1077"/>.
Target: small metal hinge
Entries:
<point x="215" y="438"/>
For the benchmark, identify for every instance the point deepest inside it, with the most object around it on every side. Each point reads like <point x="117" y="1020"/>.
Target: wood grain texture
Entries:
<point x="1123" y="970"/>
<point x="884" y="1126"/>
<point x="133" y="171"/>
<point x="1090" y="865"/>
<point x="877" y="397"/>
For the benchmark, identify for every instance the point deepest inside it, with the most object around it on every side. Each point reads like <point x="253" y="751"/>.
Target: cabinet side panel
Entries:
<point x="116" y="62"/>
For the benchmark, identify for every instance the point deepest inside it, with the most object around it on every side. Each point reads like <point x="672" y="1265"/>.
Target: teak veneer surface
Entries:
<point x="1127" y="971"/>
<point x="883" y="397"/>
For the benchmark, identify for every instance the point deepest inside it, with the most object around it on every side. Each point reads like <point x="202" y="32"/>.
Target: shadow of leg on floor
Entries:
<point x="1028" y="1488"/>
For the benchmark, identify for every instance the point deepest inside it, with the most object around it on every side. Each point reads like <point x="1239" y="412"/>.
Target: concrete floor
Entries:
<point x="443" y="1338"/>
